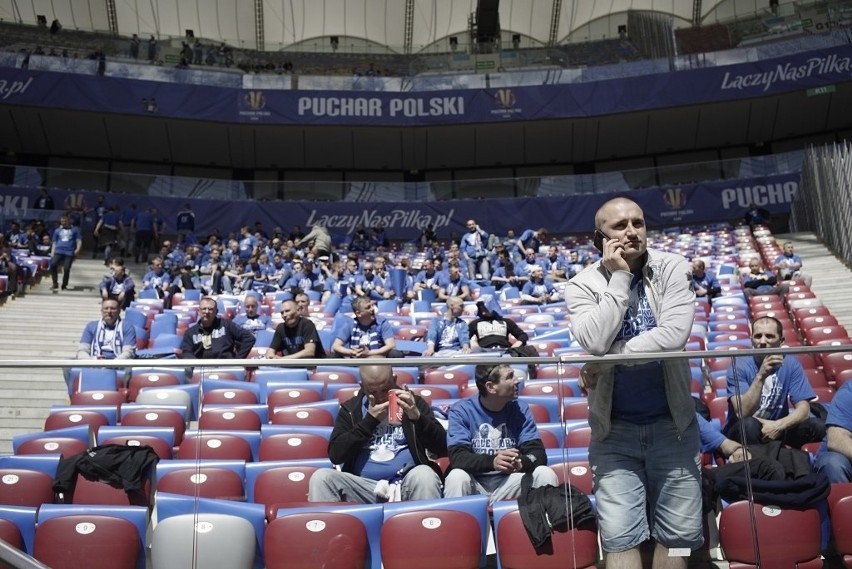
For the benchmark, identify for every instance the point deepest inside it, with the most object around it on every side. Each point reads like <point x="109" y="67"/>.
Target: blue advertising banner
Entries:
<point x="352" y="108"/>
<point x="664" y="207"/>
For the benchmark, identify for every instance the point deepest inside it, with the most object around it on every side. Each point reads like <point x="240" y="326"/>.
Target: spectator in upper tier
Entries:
<point x="704" y="282"/>
<point x="67" y="243"/>
<point x="367" y="335"/>
<point x="532" y="239"/>
<point x="319" y="241"/>
<point x="448" y="334"/>
<point x="251" y="319"/>
<point x="760" y="281"/>
<point x="538" y="290"/>
<point x="296" y="336"/>
<point x="185" y="224"/>
<point x="453" y="283"/>
<point x="491" y="331"/>
<point x="108" y="338"/>
<point x="213" y="337"/>
<point x="788" y="265"/>
<point x="474" y="250"/>
<point x="119" y="286"/>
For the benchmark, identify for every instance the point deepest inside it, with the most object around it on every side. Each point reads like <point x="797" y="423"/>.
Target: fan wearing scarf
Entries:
<point x="109" y="338"/>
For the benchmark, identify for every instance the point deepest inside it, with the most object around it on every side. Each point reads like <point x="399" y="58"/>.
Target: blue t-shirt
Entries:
<point x="377" y="332"/>
<point x="386" y="454"/>
<point x="487" y="432"/>
<point x="788" y="382"/>
<point x="112" y="340"/>
<point x="639" y="394"/>
<point x="711" y="436"/>
<point x="839" y="411"/>
<point x="65" y="240"/>
<point x="144" y="221"/>
<point x="453" y="287"/>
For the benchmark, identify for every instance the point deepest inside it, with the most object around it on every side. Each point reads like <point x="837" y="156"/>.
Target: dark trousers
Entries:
<point x="808" y="431"/>
<point x="66" y="261"/>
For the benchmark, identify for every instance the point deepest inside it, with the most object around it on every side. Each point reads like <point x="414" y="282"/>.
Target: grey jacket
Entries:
<point x="597" y="300"/>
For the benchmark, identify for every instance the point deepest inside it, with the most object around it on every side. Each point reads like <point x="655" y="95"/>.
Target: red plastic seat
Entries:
<point x="215" y="446"/>
<point x="576" y="472"/>
<point x="813" y="336"/>
<point x="787" y="538"/>
<point x="66" y="446"/>
<point x="841" y="527"/>
<point x="316" y="539"/>
<point x="140" y="380"/>
<point x="547" y="387"/>
<point x="10" y="533"/>
<point x="228" y="419"/>
<point x="575" y="410"/>
<point x="229" y="396"/>
<point x="160" y="447"/>
<point x="99" y="397"/>
<point x="216" y="374"/>
<point x="430" y="392"/>
<point x="292" y="396"/>
<point x="19" y="487"/>
<point x="810" y="311"/>
<point x="292" y="446"/>
<point x="577" y="548"/>
<point x="91" y="541"/>
<point x="411" y="333"/>
<point x="447" y="377"/>
<point x="92" y="492"/>
<point x="281" y="486"/>
<point x="156" y="418"/>
<point x="579" y="437"/>
<point x="817" y="321"/>
<point x="203" y="482"/>
<point x="431" y="538"/>
<point x="557" y="372"/>
<point x="719" y="409"/>
<point x="313" y="416"/>
<point x="333" y="377"/>
<point x="73" y="418"/>
<point x="540" y="413"/>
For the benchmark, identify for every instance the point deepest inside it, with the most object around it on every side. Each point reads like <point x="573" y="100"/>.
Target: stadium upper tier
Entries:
<point x="413" y="26"/>
<point x="581" y="63"/>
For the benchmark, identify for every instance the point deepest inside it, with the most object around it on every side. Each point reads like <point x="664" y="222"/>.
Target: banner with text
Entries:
<point x="797" y="72"/>
<point x="708" y="202"/>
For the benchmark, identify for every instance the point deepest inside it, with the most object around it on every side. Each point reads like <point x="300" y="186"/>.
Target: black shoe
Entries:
<point x="54" y="286"/>
<point x="64" y="287"/>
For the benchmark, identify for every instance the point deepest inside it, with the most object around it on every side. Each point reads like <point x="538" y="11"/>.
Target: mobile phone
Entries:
<point x="598" y="240"/>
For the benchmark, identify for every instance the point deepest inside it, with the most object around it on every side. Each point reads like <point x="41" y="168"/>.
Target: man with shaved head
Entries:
<point x="382" y="458"/>
<point x="645" y="441"/>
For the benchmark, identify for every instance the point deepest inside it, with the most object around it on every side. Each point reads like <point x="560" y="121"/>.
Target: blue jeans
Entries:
<point x="835" y="466"/>
<point x="647" y="482"/>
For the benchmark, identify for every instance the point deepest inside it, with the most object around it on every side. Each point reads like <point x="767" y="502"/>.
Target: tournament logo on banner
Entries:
<point x="505" y="101"/>
<point x="252" y="105"/>
<point x="676" y="199"/>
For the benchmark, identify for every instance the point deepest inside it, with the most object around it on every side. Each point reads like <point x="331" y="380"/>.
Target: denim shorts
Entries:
<point x="647" y="471"/>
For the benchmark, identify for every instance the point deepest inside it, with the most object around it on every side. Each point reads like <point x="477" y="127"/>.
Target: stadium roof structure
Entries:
<point x="400" y="26"/>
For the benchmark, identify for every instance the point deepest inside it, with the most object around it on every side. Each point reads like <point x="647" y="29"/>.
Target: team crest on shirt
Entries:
<point x="490" y="439"/>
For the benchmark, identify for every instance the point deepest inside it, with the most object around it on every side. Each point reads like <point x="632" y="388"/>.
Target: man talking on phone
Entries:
<point x="760" y="390"/>
<point x="645" y="440"/>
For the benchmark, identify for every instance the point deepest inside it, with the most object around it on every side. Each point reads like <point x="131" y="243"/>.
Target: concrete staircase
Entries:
<point x="832" y="278"/>
<point x="43" y="325"/>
